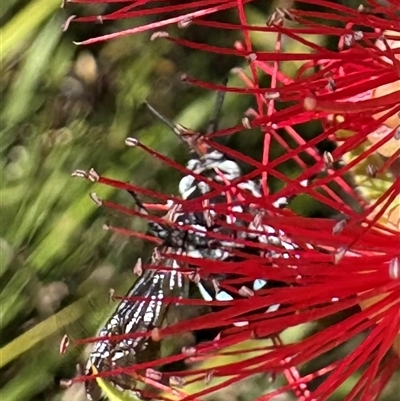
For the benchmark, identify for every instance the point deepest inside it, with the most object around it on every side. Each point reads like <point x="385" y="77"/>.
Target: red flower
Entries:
<point x="342" y="270"/>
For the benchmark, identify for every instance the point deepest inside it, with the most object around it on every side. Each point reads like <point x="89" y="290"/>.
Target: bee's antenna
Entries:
<point x="192" y="138"/>
<point x="184" y="134"/>
<point x="214" y="121"/>
<point x="173" y="127"/>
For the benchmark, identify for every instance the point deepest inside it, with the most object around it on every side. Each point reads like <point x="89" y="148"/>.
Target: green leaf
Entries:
<point x="21" y="27"/>
<point x="42" y="331"/>
<point x="33" y="69"/>
<point x="111" y="392"/>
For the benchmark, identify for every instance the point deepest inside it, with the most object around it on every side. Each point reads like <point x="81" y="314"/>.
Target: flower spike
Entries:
<point x="231" y="243"/>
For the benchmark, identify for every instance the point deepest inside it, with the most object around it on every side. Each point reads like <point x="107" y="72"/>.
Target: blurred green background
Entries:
<point x="65" y="107"/>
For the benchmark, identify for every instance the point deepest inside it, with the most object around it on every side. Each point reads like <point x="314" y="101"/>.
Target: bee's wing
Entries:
<point x="137" y="316"/>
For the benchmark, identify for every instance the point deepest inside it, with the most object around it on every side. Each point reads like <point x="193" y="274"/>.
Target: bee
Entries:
<point x="140" y="316"/>
<point x="196" y="234"/>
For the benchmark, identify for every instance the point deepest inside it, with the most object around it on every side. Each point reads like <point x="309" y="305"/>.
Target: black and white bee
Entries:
<point x="189" y="233"/>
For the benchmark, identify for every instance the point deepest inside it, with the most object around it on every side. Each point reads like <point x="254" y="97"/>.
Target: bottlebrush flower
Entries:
<point x="338" y="277"/>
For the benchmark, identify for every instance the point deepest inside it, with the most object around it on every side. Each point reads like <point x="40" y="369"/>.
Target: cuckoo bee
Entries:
<point x="208" y="169"/>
